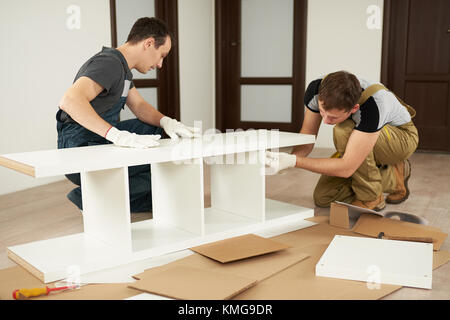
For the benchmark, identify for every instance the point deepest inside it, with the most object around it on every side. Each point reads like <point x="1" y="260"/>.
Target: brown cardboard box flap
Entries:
<point x="187" y="283"/>
<point x="345" y="215"/>
<point x="259" y="268"/>
<point x="370" y="225"/>
<point x="237" y="248"/>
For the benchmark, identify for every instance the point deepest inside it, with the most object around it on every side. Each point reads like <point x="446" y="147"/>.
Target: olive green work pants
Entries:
<point x="376" y="174"/>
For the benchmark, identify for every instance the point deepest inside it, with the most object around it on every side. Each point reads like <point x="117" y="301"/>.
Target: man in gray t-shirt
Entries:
<point x="89" y="110"/>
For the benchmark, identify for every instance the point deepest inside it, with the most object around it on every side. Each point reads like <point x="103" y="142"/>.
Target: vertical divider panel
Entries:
<point x="177" y="191"/>
<point x="239" y="187"/>
<point x="106" y="206"/>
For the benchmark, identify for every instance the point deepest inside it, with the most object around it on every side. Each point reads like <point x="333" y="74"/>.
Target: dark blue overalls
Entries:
<point x="71" y="134"/>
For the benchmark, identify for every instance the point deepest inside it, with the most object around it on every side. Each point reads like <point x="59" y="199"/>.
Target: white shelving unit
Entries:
<point x="180" y="219"/>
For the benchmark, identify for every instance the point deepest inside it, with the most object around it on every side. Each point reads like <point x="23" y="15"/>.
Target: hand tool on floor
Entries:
<point x="381" y="235"/>
<point x="36" y="292"/>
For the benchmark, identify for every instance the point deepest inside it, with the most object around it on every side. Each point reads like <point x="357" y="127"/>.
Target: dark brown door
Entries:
<point x="260" y="64"/>
<point x="416" y="64"/>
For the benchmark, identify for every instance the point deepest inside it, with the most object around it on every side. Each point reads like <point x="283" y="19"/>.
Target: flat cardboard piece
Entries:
<point x="187" y="283"/>
<point x="370" y="225"/>
<point x="404" y="263"/>
<point x="259" y="268"/>
<point x="237" y="248"/>
<point x="345" y="215"/>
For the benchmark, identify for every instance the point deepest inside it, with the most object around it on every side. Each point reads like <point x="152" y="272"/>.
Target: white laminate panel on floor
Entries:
<point x="404" y="263"/>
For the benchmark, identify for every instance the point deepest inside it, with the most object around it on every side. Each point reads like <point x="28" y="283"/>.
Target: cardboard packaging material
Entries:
<point x="371" y="226"/>
<point x="187" y="283"/>
<point x="371" y="223"/>
<point x="394" y="262"/>
<point x="259" y="268"/>
<point x="345" y="215"/>
<point x="237" y="248"/>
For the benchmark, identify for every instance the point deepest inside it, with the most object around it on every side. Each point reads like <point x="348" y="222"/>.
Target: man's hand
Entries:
<point x="124" y="138"/>
<point x="174" y="129"/>
<point x="277" y="161"/>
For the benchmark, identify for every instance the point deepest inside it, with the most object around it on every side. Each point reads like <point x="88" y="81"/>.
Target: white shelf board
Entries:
<point x="55" y="162"/>
<point x="404" y="263"/>
<point x="54" y="258"/>
<point x="59" y="258"/>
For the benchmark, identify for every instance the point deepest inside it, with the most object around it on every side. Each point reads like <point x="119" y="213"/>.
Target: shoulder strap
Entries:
<point x="372" y="89"/>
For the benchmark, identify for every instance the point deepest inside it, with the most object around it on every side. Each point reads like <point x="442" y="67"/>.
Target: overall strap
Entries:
<point x="371" y="90"/>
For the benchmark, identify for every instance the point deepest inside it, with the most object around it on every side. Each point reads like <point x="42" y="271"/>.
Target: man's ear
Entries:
<point x="355" y="108"/>
<point x="149" y="42"/>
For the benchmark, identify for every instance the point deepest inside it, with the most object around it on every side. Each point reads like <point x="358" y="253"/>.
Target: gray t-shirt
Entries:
<point x="380" y="109"/>
<point x="110" y="70"/>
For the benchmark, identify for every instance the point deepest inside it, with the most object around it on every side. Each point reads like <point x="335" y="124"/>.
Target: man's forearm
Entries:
<point x="303" y="150"/>
<point x="331" y="167"/>
<point x="83" y="113"/>
<point x="148" y="114"/>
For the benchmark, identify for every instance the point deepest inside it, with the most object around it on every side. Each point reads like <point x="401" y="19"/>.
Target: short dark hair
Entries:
<point x="339" y="90"/>
<point x="147" y="27"/>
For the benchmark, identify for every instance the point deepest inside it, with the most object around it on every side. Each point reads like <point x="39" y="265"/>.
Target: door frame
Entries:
<point x="226" y="77"/>
<point x="167" y="78"/>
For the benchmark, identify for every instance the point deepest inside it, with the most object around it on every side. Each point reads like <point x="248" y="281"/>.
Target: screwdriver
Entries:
<point x="36" y="292"/>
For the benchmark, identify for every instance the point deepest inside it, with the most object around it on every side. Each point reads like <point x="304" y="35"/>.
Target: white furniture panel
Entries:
<point x="57" y="162"/>
<point x="177" y="191"/>
<point x="267" y="38"/>
<point x="106" y="206"/>
<point x="180" y="220"/>
<point x="127" y="12"/>
<point x="239" y="189"/>
<point x="402" y="263"/>
<point x="266" y="103"/>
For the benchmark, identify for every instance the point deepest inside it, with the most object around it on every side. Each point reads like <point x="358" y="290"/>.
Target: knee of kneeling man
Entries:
<point x="341" y="134"/>
<point x="320" y="199"/>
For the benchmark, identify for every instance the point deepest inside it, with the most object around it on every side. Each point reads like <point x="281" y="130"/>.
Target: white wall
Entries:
<point x="338" y="39"/>
<point x="40" y="57"/>
<point x="196" y="47"/>
<point x="38" y="61"/>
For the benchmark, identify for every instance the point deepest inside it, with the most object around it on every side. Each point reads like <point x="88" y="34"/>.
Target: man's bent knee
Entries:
<point x="341" y="134"/>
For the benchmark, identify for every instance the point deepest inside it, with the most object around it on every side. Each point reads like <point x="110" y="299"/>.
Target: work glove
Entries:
<point x="174" y="129"/>
<point x="124" y="138"/>
<point x="277" y="161"/>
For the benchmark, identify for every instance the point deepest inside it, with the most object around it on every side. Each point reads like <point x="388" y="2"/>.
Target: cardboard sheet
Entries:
<point x="237" y="248"/>
<point x="258" y="268"/>
<point x="371" y="226"/>
<point x="187" y="283"/>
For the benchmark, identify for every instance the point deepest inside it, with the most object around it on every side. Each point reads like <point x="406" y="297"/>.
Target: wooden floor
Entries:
<point x="44" y="212"/>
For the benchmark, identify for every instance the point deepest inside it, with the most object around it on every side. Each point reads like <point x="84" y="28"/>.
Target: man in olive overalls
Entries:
<point x="373" y="134"/>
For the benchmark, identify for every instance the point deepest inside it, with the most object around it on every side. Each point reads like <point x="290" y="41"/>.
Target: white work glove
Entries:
<point x="174" y="128"/>
<point x="124" y="138"/>
<point x="277" y="161"/>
